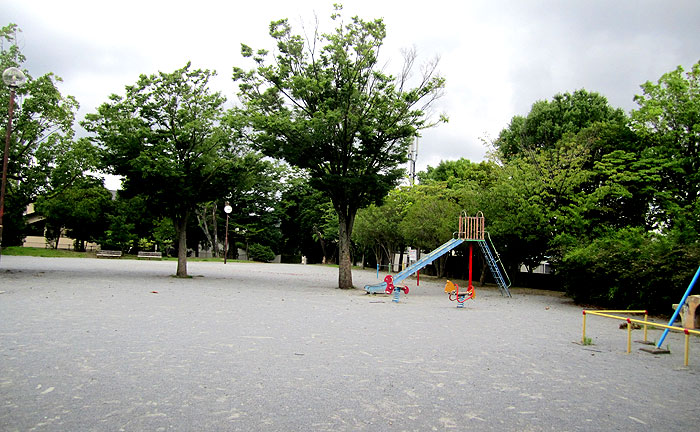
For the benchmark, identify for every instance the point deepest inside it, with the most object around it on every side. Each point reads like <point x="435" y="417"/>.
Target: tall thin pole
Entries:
<point x="5" y="158"/>
<point x="226" y="241"/>
<point x="471" y="251"/>
<point x="227" y="210"/>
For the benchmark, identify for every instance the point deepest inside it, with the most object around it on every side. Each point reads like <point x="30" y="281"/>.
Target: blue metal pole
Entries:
<point x="680" y="305"/>
<point x="377" y="271"/>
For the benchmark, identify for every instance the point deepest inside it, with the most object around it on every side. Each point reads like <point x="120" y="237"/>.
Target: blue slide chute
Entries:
<point x="424" y="261"/>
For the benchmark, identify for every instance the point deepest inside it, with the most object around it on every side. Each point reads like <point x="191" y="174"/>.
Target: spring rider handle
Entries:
<point x="452" y="290"/>
<point x="389" y="279"/>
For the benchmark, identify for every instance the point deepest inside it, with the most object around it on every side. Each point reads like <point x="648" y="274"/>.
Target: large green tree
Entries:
<point x="80" y="209"/>
<point x="550" y="120"/>
<point x="43" y="156"/>
<point x="254" y="199"/>
<point x="377" y="226"/>
<point x="328" y="107"/>
<point x="165" y="137"/>
<point x="668" y="118"/>
<point x="431" y="219"/>
<point x="306" y="218"/>
<point x="575" y="168"/>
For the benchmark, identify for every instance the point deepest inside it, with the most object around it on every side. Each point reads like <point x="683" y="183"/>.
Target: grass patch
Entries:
<point x="64" y="253"/>
<point x="44" y="252"/>
<point x="587" y="341"/>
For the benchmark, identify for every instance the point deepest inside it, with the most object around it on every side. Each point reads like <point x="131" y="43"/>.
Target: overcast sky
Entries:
<point x="498" y="56"/>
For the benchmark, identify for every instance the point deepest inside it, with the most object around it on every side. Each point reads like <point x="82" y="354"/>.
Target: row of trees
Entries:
<point x="322" y="106"/>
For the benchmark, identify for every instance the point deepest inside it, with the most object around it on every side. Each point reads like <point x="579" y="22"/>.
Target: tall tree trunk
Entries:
<point x="377" y="254"/>
<point x="322" y="242"/>
<point x="440" y="265"/>
<point x="346" y="220"/>
<point x="202" y="220"/>
<point x="215" y="228"/>
<point x="390" y="257"/>
<point x="181" y="229"/>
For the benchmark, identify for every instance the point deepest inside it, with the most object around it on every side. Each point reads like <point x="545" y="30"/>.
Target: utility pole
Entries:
<point x="412" y="156"/>
<point x="13" y="78"/>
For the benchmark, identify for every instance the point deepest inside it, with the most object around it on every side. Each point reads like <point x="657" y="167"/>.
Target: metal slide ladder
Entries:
<point x="495" y="265"/>
<point x="424" y="261"/>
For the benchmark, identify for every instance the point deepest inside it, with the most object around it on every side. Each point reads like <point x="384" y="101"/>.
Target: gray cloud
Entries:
<point x="498" y="56"/>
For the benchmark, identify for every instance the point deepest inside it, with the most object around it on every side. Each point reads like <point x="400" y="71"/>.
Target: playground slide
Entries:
<point x="424" y="261"/>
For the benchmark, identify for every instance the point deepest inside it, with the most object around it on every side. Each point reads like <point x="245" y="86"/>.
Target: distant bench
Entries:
<point x="151" y="255"/>
<point x="108" y="254"/>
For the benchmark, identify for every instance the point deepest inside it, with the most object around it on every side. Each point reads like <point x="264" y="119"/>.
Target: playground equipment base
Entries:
<point x="655" y="350"/>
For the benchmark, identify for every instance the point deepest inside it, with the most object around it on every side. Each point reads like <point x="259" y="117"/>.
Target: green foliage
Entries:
<point x="167" y="139"/>
<point x="80" y="208"/>
<point x="330" y="109"/>
<point x="255" y="198"/>
<point x="645" y="210"/>
<point x="549" y="121"/>
<point x="573" y="168"/>
<point x="377" y="226"/>
<point x="43" y="156"/>
<point x="431" y="220"/>
<point x="306" y="222"/>
<point x="258" y="252"/>
<point x="515" y="215"/>
<point x="460" y="173"/>
<point x="164" y="234"/>
<point x="630" y="268"/>
<point x="668" y="119"/>
<point x="120" y="234"/>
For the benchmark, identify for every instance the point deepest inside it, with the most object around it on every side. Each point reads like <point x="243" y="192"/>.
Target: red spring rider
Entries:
<point x="389" y="279"/>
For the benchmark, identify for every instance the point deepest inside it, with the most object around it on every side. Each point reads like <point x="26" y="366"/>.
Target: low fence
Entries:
<point x="66" y="243"/>
<point x="645" y="323"/>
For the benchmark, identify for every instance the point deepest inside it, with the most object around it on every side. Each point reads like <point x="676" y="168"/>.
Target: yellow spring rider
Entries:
<point x="452" y="289"/>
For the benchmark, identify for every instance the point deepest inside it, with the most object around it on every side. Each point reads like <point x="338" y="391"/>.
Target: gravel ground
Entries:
<point x="120" y="345"/>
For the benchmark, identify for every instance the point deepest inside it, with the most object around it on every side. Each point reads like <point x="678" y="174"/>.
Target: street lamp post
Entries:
<point x="13" y="78"/>
<point x="227" y="210"/>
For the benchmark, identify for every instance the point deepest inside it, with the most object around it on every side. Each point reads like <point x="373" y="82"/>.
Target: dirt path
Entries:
<point x="121" y="345"/>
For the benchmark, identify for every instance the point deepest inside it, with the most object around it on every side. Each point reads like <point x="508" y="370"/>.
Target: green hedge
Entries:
<point x="630" y="268"/>
<point x="261" y="253"/>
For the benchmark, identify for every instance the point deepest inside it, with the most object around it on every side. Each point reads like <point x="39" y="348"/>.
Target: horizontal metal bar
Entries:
<point x="649" y="323"/>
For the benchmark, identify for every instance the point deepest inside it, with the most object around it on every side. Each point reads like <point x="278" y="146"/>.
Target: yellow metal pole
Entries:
<point x="629" y="336"/>
<point x="629" y="311"/>
<point x="646" y="316"/>
<point x="687" y="343"/>
<point x="583" y="337"/>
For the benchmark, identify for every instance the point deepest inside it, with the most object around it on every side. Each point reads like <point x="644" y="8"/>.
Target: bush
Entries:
<point x="257" y="252"/>
<point x="630" y="268"/>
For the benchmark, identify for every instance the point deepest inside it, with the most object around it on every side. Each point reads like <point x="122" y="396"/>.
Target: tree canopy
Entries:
<point x="668" y="119"/>
<point x="166" y="138"/>
<point x="43" y="156"/>
<point x="327" y="107"/>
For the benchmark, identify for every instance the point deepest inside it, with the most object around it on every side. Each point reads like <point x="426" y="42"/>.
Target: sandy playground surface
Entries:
<point x="120" y="345"/>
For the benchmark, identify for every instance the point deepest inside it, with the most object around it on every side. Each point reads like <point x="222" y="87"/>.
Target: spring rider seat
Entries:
<point x="452" y="289"/>
<point x="389" y="279"/>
